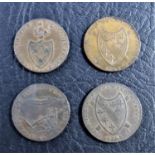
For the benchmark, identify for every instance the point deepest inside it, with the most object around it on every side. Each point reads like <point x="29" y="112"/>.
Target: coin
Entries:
<point x="40" y="112"/>
<point x="112" y="112"/>
<point x="111" y="44"/>
<point x="41" y="45"/>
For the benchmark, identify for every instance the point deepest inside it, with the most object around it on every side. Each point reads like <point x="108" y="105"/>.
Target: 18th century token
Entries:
<point x="111" y="44"/>
<point x="40" y="112"/>
<point x="112" y="112"/>
<point x="41" y="45"/>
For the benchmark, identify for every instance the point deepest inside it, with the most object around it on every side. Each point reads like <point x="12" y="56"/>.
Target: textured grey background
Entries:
<point x="76" y="77"/>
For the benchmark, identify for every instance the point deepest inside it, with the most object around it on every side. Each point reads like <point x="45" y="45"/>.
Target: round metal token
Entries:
<point x="111" y="44"/>
<point x="40" y="112"/>
<point x="41" y="45"/>
<point x="112" y="112"/>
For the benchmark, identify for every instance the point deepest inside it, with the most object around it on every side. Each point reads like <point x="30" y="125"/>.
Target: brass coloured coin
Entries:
<point x="111" y="44"/>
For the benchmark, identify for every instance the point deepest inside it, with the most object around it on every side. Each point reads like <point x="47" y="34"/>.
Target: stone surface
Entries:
<point x="76" y="77"/>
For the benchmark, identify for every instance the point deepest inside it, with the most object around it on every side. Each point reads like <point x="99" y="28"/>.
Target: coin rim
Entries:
<point x="84" y="111"/>
<point x="134" y="58"/>
<point x="49" y="68"/>
<point x="48" y="139"/>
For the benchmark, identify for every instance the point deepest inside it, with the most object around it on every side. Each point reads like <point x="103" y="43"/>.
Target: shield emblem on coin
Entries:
<point x="40" y="52"/>
<point x="113" y="45"/>
<point x="111" y="112"/>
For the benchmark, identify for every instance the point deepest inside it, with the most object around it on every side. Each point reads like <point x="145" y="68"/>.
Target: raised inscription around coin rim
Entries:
<point x="112" y="112"/>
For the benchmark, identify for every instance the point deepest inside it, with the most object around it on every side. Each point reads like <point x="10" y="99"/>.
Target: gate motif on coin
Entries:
<point x="42" y="115"/>
<point x="111" y="112"/>
<point x="113" y="46"/>
<point x="40" y="52"/>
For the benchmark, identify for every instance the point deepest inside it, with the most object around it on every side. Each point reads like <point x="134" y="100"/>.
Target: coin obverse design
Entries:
<point x="112" y="112"/>
<point x="111" y="44"/>
<point x="41" y="45"/>
<point x="40" y="112"/>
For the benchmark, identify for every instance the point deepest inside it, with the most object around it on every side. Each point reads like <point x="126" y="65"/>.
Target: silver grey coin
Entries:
<point x="41" y="45"/>
<point x="40" y="112"/>
<point x="112" y="112"/>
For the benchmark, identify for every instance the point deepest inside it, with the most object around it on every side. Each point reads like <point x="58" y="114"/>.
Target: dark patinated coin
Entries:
<point x="112" y="112"/>
<point x="40" y="112"/>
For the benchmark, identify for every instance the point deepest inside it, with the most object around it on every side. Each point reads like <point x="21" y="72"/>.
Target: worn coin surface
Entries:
<point x="40" y="112"/>
<point x="111" y="44"/>
<point x="41" y="45"/>
<point x="112" y="112"/>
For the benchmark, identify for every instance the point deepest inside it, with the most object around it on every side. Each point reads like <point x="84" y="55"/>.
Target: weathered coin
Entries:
<point x="40" y="112"/>
<point x="111" y="44"/>
<point x="112" y="112"/>
<point x="41" y="45"/>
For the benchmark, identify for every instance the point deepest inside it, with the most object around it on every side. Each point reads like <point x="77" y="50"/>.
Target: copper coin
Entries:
<point x="41" y="45"/>
<point x="40" y="112"/>
<point x="112" y="112"/>
<point x="111" y="44"/>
